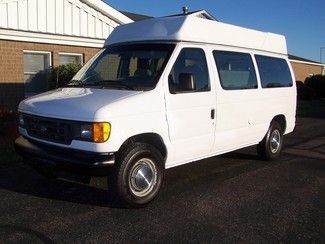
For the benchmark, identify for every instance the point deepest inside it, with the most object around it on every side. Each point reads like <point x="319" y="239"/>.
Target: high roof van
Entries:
<point x="161" y="93"/>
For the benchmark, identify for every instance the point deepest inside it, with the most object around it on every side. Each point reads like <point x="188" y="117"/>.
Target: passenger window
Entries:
<point x="190" y="72"/>
<point x="236" y="70"/>
<point x="274" y="72"/>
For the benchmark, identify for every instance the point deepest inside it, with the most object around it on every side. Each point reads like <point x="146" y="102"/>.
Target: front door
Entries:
<point x="190" y="106"/>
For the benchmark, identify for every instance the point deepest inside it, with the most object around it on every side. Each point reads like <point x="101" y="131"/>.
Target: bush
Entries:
<point x="304" y="92"/>
<point x="317" y="82"/>
<point x="62" y="74"/>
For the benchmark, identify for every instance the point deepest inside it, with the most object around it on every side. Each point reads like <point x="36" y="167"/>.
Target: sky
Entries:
<point x="301" y="21"/>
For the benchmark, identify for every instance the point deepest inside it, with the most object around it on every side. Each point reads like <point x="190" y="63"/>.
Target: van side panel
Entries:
<point x="279" y="101"/>
<point x="244" y="116"/>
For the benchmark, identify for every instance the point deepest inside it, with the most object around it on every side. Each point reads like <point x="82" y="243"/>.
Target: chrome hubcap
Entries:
<point x="275" y="141"/>
<point x="143" y="177"/>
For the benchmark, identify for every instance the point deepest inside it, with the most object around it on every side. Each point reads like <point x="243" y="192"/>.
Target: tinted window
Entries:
<point x="274" y="72"/>
<point x="190" y="61"/>
<point x="236" y="70"/>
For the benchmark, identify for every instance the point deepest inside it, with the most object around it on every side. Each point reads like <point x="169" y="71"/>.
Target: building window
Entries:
<point x="67" y="58"/>
<point x="36" y="72"/>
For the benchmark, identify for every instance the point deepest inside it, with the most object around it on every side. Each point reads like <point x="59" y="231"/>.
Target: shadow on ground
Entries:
<point x="22" y="179"/>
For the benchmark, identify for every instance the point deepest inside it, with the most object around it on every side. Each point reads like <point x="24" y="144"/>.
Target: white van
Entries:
<point x="162" y="92"/>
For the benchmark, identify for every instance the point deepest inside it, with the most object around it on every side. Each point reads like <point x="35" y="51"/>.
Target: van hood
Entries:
<point x="72" y="103"/>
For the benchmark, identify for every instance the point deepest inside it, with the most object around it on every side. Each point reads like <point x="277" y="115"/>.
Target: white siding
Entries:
<point x="13" y="15"/>
<point x="91" y="25"/>
<point x="23" y="17"/>
<point x="3" y="14"/>
<point x="106" y="29"/>
<point x="75" y="21"/>
<point x="84" y="23"/>
<point x="41" y="15"/>
<point x="68" y="17"/>
<point x="50" y="12"/>
<point x="59" y="18"/>
<point x="98" y="28"/>
<point x="32" y="15"/>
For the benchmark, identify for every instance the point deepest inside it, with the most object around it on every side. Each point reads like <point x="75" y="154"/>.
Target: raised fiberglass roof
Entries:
<point x="194" y="28"/>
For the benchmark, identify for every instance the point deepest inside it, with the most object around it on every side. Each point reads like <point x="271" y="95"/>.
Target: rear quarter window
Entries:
<point x="274" y="72"/>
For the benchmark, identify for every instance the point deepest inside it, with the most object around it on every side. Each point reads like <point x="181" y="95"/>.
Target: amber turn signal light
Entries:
<point x="101" y="131"/>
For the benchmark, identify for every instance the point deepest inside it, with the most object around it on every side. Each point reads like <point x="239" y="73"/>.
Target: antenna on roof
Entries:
<point x="185" y="10"/>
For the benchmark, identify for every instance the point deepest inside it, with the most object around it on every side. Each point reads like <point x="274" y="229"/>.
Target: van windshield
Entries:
<point x="127" y="67"/>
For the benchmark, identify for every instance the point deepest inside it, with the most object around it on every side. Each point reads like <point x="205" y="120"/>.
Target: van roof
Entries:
<point x="194" y="28"/>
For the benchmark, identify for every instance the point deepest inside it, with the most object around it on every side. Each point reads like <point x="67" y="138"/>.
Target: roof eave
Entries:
<point x="108" y="11"/>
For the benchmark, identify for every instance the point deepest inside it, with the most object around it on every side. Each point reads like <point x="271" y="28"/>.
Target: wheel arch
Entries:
<point x="153" y="139"/>
<point x="281" y="119"/>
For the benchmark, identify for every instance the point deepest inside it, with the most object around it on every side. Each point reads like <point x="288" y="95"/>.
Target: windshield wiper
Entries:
<point x="112" y="83"/>
<point x="75" y="83"/>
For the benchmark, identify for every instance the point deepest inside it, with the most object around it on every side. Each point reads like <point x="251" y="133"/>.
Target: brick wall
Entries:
<point x="302" y="71"/>
<point x="12" y="67"/>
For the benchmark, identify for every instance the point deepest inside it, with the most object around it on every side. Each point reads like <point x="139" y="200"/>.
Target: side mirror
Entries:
<point x="186" y="82"/>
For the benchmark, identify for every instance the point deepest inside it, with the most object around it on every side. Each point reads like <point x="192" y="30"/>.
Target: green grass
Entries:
<point x="8" y="155"/>
<point x="315" y="108"/>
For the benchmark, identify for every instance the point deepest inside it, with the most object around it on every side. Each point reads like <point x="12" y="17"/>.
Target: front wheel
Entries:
<point x="271" y="145"/>
<point x="137" y="175"/>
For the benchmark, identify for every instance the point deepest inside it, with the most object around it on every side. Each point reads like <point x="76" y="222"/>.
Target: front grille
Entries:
<point x="53" y="130"/>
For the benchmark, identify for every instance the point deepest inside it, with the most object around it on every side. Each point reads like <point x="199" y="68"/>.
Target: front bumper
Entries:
<point x="62" y="159"/>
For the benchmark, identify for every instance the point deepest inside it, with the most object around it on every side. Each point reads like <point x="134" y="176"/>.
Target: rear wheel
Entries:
<point x="271" y="145"/>
<point x="137" y="175"/>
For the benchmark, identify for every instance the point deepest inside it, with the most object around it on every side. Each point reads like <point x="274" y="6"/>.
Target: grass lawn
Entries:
<point x="315" y="108"/>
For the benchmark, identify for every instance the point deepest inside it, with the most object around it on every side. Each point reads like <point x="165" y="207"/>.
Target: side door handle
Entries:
<point x="212" y="113"/>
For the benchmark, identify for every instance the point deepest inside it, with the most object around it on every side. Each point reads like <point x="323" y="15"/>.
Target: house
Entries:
<point x="304" y="68"/>
<point x="38" y="34"/>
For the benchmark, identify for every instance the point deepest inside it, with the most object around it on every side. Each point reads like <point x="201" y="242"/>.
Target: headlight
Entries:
<point x="97" y="132"/>
<point x="21" y="120"/>
<point x="86" y="132"/>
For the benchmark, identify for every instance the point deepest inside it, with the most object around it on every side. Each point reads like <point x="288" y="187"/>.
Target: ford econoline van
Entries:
<point x="161" y="93"/>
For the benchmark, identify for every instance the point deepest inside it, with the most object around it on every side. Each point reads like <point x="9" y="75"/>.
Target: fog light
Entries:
<point x="21" y="120"/>
<point x="101" y="131"/>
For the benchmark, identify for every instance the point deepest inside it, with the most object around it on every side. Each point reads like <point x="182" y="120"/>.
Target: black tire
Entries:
<point x="271" y="145"/>
<point x="145" y="163"/>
